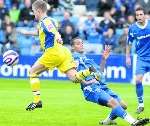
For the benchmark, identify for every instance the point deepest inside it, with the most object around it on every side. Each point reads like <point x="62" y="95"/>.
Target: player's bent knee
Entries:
<point x="33" y="75"/>
<point x="138" y="81"/>
<point x="112" y="103"/>
<point x="139" y="78"/>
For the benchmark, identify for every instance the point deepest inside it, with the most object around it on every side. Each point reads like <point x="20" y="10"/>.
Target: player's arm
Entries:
<point x="128" y="59"/>
<point x="100" y="74"/>
<point x="130" y="39"/>
<point x="27" y="32"/>
<point x="105" y="55"/>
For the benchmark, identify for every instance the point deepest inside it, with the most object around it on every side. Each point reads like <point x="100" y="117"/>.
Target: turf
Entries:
<point x="63" y="104"/>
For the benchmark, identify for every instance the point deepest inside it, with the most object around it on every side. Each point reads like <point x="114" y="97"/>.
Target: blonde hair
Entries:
<point x="40" y="4"/>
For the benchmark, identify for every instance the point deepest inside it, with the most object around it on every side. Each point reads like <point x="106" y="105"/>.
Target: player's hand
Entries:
<point x="59" y="41"/>
<point x="106" y="51"/>
<point x="128" y="61"/>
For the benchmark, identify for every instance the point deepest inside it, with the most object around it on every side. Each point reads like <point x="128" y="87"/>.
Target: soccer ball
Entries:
<point x="10" y="58"/>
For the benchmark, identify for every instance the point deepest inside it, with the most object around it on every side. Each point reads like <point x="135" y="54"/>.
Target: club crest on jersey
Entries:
<point x="50" y="26"/>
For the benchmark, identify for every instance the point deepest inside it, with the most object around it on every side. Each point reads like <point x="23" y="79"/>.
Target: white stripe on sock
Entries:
<point x="141" y="105"/>
<point x="129" y="119"/>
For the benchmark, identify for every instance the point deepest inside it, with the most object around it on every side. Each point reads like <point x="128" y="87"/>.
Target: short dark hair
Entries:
<point x="73" y="40"/>
<point x="140" y="9"/>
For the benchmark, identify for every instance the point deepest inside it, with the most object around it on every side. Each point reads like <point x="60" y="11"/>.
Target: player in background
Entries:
<point x="96" y="91"/>
<point x="55" y="55"/>
<point x="139" y="32"/>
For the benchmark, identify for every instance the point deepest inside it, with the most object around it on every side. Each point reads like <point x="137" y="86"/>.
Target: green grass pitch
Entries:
<point x="63" y="104"/>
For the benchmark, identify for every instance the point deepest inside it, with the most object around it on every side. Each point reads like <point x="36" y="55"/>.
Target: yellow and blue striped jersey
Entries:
<point x="48" y="33"/>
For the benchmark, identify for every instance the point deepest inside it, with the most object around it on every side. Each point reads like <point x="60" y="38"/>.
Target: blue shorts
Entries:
<point x="100" y="95"/>
<point x="112" y="93"/>
<point x="142" y="67"/>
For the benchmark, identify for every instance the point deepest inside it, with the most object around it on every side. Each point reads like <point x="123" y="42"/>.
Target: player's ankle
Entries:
<point x="141" y="105"/>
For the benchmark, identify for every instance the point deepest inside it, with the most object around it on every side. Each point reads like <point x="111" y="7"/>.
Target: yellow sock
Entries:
<point x="82" y="74"/>
<point x="35" y="86"/>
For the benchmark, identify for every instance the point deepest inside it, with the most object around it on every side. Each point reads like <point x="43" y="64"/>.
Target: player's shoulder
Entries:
<point x="46" y="20"/>
<point x="133" y="25"/>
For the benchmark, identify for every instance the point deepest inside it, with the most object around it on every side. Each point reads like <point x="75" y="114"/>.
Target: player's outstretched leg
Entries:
<point x="35" y="85"/>
<point x="141" y="122"/>
<point x="118" y="111"/>
<point x="32" y="106"/>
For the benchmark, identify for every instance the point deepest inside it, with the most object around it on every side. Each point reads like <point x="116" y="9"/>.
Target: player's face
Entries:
<point x="78" y="45"/>
<point x="140" y="16"/>
<point x="36" y="13"/>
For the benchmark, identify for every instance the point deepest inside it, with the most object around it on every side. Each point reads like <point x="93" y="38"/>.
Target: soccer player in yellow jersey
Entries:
<point x="55" y="55"/>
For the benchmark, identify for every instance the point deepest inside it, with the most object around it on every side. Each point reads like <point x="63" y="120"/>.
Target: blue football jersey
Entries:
<point x="141" y="36"/>
<point x="83" y="63"/>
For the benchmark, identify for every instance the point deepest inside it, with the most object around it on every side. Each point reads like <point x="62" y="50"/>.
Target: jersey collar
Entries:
<point x="43" y="18"/>
<point x="142" y="27"/>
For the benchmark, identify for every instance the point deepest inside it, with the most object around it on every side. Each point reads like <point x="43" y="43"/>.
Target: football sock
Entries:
<point x="35" y="86"/>
<point x="82" y="74"/>
<point x="111" y="116"/>
<point x="117" y="111"/>
<point x="139" y="92"/>
<point x="141" y="105"/>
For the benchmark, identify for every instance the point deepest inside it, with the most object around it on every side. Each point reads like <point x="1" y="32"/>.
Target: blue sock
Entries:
<point x="117" y="112"/>
<point x="139" y="91"/>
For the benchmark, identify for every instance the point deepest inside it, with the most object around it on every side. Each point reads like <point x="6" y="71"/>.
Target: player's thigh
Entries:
<point x="98" y="96"/>
<point x="140" y="67"/>
<point x="68" y="63"/>
<point x="37" y="68"/>
<point x="50" y="59"/>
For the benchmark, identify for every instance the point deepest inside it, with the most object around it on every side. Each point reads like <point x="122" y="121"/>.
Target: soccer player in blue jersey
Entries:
<point x="139" y="32"/>
<point x="96" y="91"/>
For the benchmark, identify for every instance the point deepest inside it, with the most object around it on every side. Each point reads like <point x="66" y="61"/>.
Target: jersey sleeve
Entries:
<point x="130" y="37"/>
